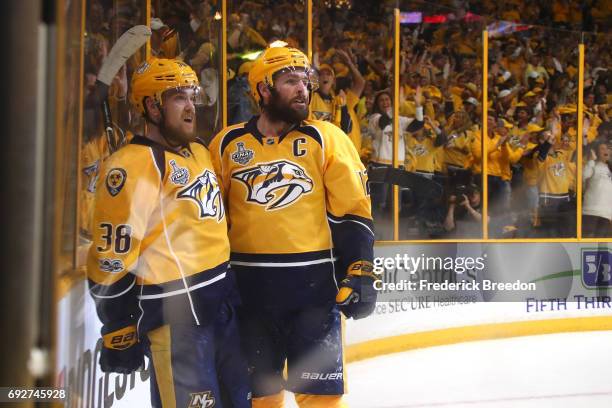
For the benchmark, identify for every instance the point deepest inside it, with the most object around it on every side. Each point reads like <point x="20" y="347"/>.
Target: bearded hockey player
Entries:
<point x="158" y="265"/>
<point x="301" y="235"/>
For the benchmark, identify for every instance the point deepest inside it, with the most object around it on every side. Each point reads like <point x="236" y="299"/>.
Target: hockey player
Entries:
<point x="158" y="265"/>
<point x="301" y="235"/>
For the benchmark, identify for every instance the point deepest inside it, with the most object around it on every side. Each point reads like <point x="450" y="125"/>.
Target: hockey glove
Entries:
<point x="121" y="351"/>
<point x="356" y="295"/>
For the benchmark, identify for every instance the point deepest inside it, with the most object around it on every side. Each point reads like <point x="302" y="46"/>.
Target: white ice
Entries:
<point x="555" y="370"/>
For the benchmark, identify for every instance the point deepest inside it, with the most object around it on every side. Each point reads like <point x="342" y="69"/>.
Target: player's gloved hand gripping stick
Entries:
<point x="121" y="351"/>
<point x="356" y="295"/>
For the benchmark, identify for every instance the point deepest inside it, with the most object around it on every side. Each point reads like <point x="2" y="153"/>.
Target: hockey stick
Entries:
<point x="124" y="48"/>
<point x="420" y="185"/>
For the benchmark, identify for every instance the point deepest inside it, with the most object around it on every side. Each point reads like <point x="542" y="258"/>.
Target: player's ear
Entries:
<point x="264" y="92"/>
<point x="151" y="109"/>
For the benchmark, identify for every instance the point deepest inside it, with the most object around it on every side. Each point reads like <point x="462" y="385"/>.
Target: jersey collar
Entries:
<point x="251" y="127"/>
<point x="145" y="141"/>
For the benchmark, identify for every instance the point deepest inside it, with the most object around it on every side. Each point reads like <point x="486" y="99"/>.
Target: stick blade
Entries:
<point x="124" y="48"/>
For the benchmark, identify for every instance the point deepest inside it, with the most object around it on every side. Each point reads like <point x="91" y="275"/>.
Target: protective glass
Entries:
<point x="194" y="93"/>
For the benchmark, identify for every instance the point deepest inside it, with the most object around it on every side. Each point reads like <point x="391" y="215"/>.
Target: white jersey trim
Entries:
<point x="185" y="290"/>
<point x="283" y="264"/>
<point x="357" y="222"/>
<point x="118" y="294"/>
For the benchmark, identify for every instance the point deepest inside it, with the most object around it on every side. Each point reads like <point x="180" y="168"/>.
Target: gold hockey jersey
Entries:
<point x="424" y="151"/>
<point x="556" y="174"/>
<point x="457" y="149"/>
<point x="328" y="108"/>
<point x="160" y="236"/>
<point x="291" y="199"/>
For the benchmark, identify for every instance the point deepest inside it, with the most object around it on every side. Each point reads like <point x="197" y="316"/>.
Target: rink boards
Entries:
<point x="403" y="320"/>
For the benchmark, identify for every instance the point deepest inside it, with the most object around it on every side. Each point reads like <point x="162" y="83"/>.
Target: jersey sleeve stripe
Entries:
<point x="119" y="288"/>
<point x="182" y="291"/>
<point x="364" y="222"/>
<point x="179" y="286"/>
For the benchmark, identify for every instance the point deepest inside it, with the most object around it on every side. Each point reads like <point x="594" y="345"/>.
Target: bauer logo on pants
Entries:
<point x="201" y="400"/>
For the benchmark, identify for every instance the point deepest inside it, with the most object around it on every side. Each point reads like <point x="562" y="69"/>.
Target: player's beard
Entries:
<point x="174" y="135"/>
<point x="280" y="110"/>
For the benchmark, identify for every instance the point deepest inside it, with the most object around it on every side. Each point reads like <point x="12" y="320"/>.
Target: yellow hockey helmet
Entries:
<point x="278" y="57"/>
<point x="157" y="75"/>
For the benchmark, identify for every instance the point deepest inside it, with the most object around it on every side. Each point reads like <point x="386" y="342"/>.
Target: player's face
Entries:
<point x="180" y="114"/>
<point x="289" y="98"/>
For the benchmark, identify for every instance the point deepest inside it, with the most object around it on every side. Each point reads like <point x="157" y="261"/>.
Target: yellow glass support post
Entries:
<point x="396" y="81"/>
<point x="79" y="146"/>
<point x="485" y="137"/>
<point x="60" y="132"/>
<point x="309" y="40"/>
<point x="59" y="265"/>
<point x="148" y="24"/>
<point x="223" y="63"/>
<point x="580" y="140"/>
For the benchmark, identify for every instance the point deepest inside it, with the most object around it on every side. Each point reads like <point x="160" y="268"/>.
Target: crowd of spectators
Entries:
<point x="532" y="111"/>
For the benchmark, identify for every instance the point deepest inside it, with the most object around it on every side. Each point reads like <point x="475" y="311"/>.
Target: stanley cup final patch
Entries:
<point x="179" y="175"/>
<point x="242" y="155"/>
<point x="115" y="180"/>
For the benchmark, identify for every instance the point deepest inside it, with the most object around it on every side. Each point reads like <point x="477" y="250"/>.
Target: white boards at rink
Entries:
<point x="402" y="321"/>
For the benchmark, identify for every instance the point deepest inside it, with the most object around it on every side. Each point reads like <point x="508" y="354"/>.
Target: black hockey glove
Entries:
<point x="121" y="351"/>
<point x="356" y="295"/>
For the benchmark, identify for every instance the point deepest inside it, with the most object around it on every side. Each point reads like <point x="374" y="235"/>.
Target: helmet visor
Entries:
<point x="192" y="93"/>
<point x="310" y="79"/>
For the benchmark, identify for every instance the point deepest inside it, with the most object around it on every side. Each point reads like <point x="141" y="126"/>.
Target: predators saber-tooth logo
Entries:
<point x="420" y="150"/>
<point x="558" y="169"/>
<point x="275" y="184"/>
<point x="205" y="192"/>
<point x="201" y="400"/>
<point x="326" y="116"/>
